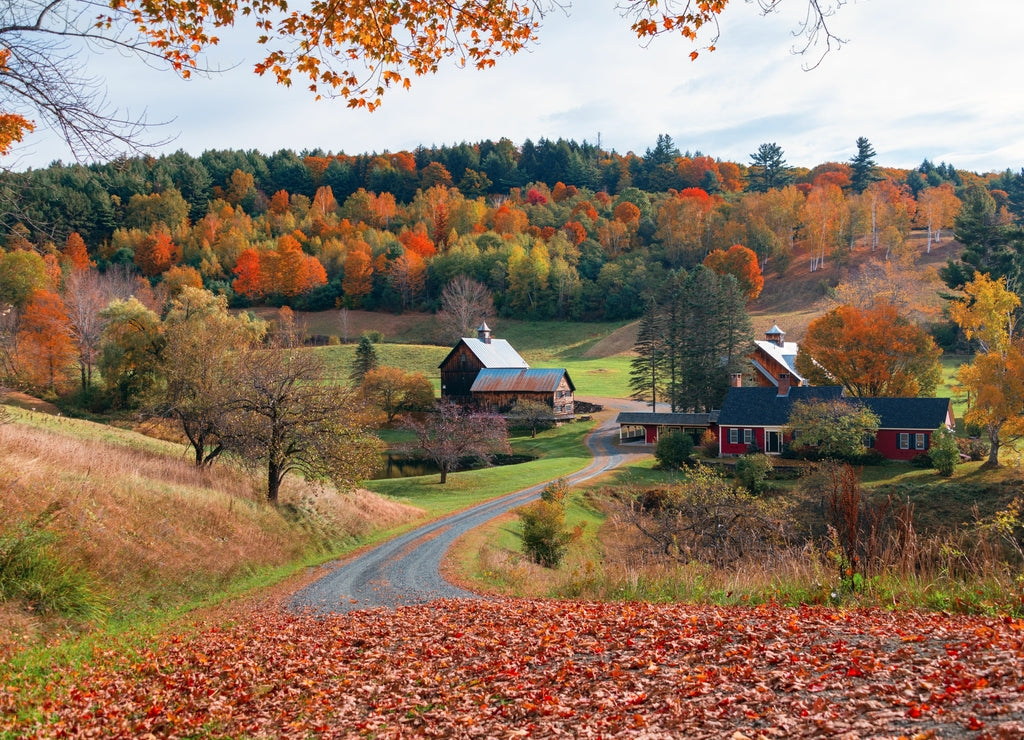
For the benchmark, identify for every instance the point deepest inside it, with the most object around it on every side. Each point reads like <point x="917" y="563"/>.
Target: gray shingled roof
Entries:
<point x="537" y="380"/>
<point x="910" y="413"/>
<point x="750" y="407"/>
<point x="665" y="419"/>
<point x="763" y="406"/>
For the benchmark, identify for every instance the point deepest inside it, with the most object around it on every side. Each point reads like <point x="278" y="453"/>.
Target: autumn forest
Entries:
<point x="554" y="229"/>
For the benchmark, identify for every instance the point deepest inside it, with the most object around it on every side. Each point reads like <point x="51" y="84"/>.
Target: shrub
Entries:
<point x="556" y="492"/>
<point x="709" y="443"/>
<point x="673" y="450"/>
<point x="545" y="536"/>
<point x="705" y="518"/>
<point x="869" y="457"/>
<point x="921" y="460"/>
<point x="973" y="448"/>
<point x="754" y="470"/>
<point x="944" y="453"/>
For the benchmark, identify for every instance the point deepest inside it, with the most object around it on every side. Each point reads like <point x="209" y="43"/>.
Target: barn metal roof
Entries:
<point x="536" y="380"/>
<point x="497" y="353"/>
<point x="784" y="355"/>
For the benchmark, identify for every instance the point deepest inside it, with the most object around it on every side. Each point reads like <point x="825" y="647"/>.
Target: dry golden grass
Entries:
<point x="793" y="300"/>
<point x="151" y="529"/>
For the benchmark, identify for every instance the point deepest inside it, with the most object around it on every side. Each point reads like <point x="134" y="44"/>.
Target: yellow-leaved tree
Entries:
<point x="994" y="381"/>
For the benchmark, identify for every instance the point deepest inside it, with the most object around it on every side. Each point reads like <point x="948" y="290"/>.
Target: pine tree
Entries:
<point x="768" y="169"/>
<point x="690" y="340"/>
<point x="365" y="360"/>
<point x="646" y="374"/>
<point x="863" y="168"/>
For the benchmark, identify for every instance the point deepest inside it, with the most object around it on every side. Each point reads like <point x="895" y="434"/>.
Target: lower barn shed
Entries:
<point x="647" y="426"/>
<point x="499" y="389"/>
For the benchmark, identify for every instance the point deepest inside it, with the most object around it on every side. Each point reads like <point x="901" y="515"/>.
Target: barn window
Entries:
<point x="904" y="441"/>
<point x="920" y="441"/>
<point x="748" y="436"/>
<point x="734" y="436"/>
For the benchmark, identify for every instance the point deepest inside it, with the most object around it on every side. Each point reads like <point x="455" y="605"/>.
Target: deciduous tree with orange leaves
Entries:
<point x="871" y="352"/>
<point x="75" y="252"/>
<point x="742" y="264"/>
<point x="358" y="280"/>
<point x="46" y="351"/>
<point x="248" y="278"/>
<point x="418" y="242"/>
<point x="156" y="253"/>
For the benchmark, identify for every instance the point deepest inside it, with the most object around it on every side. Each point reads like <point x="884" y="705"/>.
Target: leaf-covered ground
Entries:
<point x="510" y="668"/>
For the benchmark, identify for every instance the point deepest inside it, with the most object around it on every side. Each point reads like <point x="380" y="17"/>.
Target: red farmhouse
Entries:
<point x="757" y="418"/>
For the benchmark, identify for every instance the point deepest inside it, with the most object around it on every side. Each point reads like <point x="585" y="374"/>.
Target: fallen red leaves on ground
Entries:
<point x="507" y="668"/>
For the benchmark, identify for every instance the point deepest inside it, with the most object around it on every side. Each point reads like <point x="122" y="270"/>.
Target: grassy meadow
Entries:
<point x="108" y="525"/>
<point x="964" y="553"/>
<point x="558" y="452"/>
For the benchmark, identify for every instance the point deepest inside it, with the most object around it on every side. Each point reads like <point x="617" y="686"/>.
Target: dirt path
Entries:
<point x="407" y="569"/>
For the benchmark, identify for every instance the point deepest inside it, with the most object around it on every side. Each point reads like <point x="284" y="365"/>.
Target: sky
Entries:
<point x="919" y="78"/>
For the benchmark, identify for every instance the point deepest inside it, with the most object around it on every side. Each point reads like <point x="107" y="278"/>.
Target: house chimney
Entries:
<point x="736" y="380"/>
<point x="783" y="384"/>
<point x="483" y="333"/>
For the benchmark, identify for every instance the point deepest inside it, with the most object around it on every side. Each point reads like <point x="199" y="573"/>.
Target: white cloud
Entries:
<point x="918" y="78"/>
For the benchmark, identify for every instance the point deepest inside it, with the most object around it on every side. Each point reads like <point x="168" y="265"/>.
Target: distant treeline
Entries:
<point x="555" y="229"/>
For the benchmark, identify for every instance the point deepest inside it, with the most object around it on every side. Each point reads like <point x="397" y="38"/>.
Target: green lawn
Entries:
<point x="605" y="378"/>
<point x="950" y="364"/>
<point x="560" y="451"/>
<point x="553" y="343"/>
<point x="419" y="358"/>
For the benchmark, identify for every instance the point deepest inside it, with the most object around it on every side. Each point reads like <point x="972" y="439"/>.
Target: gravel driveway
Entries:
<point x="407" y="569"/>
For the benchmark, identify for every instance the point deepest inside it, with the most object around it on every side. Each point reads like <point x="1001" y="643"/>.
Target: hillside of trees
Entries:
<point x="555" y="229"/>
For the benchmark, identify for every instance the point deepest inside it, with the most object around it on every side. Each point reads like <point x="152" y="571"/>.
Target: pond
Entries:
<point x="401" y="466"/>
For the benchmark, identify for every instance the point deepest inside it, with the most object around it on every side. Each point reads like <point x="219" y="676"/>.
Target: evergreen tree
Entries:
<point x="691" y="340"/>
<point x="365" y="360"/>
<point x="646" y="374"/>
<point x="991" y="244"/>
<point x="658" y="171"/>
<point x="863" y="168"/>
<point x="768" y="169"/>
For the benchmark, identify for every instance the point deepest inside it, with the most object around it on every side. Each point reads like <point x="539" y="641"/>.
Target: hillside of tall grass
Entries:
<point x="921" y="541"/>
<point x="102" y="524"/>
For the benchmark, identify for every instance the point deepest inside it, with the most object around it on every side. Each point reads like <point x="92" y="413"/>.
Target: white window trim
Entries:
<point x="904" y="443"/>
<point x="921" y="441"/>
<point x="734" y="436"/>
